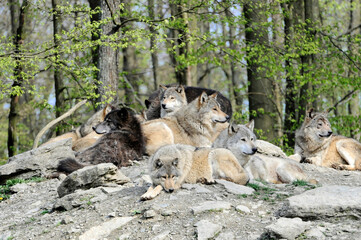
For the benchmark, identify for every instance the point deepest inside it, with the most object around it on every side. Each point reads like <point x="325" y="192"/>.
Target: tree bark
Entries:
<point x="153" y="51"/>
<point x="105" y="58"/>
<point x="18" y="25"/>
<point x="260" y="87"/>
<point x="58" y="74"/>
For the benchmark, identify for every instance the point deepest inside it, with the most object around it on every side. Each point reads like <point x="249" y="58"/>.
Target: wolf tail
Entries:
<point x="69" y="165"/>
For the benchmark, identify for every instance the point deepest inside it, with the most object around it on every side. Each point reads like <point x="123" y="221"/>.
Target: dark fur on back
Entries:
<point x="153" y="102"/>
<point x="122" y="143"/>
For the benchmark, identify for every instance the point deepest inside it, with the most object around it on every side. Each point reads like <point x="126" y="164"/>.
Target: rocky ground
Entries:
<point x="330" y="210"/>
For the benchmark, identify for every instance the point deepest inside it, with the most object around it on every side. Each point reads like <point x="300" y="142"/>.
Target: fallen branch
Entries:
<point x="55" y="121"/>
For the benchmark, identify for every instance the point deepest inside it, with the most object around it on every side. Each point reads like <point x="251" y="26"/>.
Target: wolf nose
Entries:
<point x="93" y="128"/>
<point x="163" y="106"/>
<point x="170" y="190"/>
<point x="330" y="133"/>
<point x="254" y="150"/>
<point x="227" y="117"/>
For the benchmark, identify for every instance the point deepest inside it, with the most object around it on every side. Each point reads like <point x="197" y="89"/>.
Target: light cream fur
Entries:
<point x="315" y="145"/>
<point x="84" y="136"/>
<point x="240" y="139"/>
<point x="193" y="165"/>
<point x="197" y="124"/>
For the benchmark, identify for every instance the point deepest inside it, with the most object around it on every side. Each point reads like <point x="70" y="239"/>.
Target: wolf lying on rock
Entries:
<point x="122" y="141"/>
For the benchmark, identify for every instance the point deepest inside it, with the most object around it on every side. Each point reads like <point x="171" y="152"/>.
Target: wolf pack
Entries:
<point x="189" y="137"/>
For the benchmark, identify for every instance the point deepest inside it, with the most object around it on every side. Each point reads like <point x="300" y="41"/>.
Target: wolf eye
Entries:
<point x="163" y="177"/>
<point x="252" y="139"/>
<point x="172" y="98"/>
<point x="214" y="109"/>
<point x="243" y="139"/>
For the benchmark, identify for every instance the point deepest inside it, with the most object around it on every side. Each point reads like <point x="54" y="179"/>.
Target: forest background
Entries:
<point x="273" y="58"/>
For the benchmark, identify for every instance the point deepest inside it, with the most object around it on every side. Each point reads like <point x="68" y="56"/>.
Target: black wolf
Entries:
<point x="122" y="141"/>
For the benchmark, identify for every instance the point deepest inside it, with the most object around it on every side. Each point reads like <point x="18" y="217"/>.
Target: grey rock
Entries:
<point x="244" y="209"/>
<point x="162" y="235"/>
<point x="324" y="202"/>
<point x="103" y="230"/>
<point x="211" y="206"/>
<point x="226" y="236"/>
<point x="207" y="230"/>
<point x="235" y="188"/>
<point x="42" y="161"/>
<point x="149" y="213"/>
<point x="90" y="177"/>
<point x="315" y="234"/>
<point x="19" y="187"/>
<point x="286" y="228"/>
<point x="198" y="188"/>
<point x="79" y="198"/>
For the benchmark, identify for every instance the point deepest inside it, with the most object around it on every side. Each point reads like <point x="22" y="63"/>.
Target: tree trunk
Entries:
<point x="58" y="73"/>
<point x="293" y="16"/>
<point x="307" y="60"/>
<point x="153" y="48"/>
<point x="261" y="102"/>
<point x="18" y="25"/>
<point x="279" y="44"/>
<point x="105" y="58"/>
<point x="181" y="73"/>
<point x="234" y="73"/>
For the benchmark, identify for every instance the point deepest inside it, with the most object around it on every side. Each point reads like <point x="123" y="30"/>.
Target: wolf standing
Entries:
<point x="316" y="144"/>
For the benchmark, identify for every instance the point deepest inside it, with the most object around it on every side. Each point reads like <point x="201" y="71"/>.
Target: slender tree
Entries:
<point x="18" y="25"/>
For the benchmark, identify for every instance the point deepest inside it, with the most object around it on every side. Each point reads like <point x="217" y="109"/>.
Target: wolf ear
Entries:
<point x="231" y="129"/>
<point x="202" y="98"/>
<point x="162" y="87"/>
<point x="175" y="162"/>
<point x="180" y="89"/>
<point x="310" y="113"/>
<point x="250" y="125"/>
<point x="123" y="113"/>
<point x="158" y="163"/>
<point x="147" y="103"/>
<point x="214" y="95"/>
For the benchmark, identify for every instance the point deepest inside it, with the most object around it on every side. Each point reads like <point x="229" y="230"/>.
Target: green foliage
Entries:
<point x="5" y="191"/>
<point x="188" y="36"/>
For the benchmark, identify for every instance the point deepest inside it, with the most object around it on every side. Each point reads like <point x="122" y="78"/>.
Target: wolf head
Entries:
<point x="209" y="108"/>
<point x="172" y="99"/>
<point x="316" y="126"/>
<point x="97" y="118"/>
<point x="115" y="120"/>
<point x="239" y="139"/>
<point x="164" y="167"/>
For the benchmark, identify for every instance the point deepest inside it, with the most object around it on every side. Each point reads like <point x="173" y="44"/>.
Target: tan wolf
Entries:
<point x="316" y="144"/>
<point x="84" y="136"/>
<point x="171" y="100"/>
<point x="242" y="142"/>
<point x="173" y="165"/>
<point x="197" y="124"/>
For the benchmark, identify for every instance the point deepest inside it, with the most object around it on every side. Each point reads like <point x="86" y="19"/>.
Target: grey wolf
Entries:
<point x="153" y="103"/>
<point x="172" y="99"/>
<point x="173" y="165"/>
<point x="242" y="142"/>
<point x="316" y="144"/>
<point x="197" y="124"/>
<point x="121" y="142"/>
<point x="84" y="136"/>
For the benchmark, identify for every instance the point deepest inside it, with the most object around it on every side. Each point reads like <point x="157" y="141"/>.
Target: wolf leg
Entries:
<point x="350" y="151"/>
<point x="226" y="166"/>
<point x="151" y="193"/>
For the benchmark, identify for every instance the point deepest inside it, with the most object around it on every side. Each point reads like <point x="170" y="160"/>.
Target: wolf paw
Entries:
<point x="307" y="160"/>
<point x="339" y="166"/>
